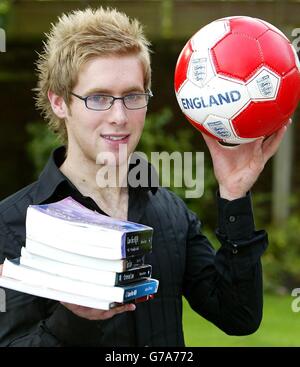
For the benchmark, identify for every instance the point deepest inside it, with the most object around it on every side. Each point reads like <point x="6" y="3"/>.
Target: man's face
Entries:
<point x="91" y="133"/>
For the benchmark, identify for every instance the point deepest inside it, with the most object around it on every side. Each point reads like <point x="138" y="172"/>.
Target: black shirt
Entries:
<point x="224" y="287"/>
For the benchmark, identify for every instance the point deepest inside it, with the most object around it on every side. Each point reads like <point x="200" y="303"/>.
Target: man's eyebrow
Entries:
<point x="109" y="92"/>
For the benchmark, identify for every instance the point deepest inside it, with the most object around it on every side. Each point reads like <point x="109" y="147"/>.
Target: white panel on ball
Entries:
<point x="223" y="129"/>
<point x="264" y="85"/>
<point x="220" y="96"/>
<point x="200" y="69"/>
<point x="239" y="140"/>
<point x="209" y="35"/>
<point x="219" y="127"/>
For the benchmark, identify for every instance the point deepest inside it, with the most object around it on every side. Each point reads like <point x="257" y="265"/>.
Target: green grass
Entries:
<point x="280" y="327"/>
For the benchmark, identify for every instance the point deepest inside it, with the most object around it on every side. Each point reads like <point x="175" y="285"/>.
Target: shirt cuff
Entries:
<point x="235" y="218"/>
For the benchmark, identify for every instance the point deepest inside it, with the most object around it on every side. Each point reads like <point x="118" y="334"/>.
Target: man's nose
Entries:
<point x="118" y="112"/>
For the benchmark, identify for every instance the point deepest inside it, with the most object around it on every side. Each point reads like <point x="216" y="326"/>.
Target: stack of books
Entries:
<point x="76" y="255"/>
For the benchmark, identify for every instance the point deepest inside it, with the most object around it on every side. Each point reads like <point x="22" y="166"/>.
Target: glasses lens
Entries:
<point x="136" y="101"/>
<point x="99" y="102"/>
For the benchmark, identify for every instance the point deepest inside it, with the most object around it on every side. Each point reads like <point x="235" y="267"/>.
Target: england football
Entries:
<point x="238" y="79"/>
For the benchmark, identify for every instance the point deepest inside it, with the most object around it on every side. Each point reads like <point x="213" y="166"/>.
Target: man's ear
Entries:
<point x="58" y="105"/>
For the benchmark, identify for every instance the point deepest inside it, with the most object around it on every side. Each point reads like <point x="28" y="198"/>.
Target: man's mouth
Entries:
<point x="114" y="137"/>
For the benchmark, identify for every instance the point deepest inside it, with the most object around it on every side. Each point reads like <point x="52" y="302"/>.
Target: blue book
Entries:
<point x="140" y="289"/>
<point x="69" y="226"/>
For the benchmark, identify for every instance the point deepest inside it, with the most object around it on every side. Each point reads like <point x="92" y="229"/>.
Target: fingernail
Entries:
<point x="131" y="307"/>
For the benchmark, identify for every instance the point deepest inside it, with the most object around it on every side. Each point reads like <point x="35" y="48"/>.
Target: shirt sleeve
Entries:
<point x="225" y="286"/>
<point x="31" y="321"/>
<point x="235" y="218"/>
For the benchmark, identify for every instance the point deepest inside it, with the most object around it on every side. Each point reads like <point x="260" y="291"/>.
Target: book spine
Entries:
<point x="40" y="249"/>
<point x="134" y="262"/>
<point x="133" y="275"/>
<point x="137" y="243"/>
<point x="140" y="290"/>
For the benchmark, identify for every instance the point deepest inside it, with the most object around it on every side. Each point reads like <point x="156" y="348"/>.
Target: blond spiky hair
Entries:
<point x="75" y="39"/>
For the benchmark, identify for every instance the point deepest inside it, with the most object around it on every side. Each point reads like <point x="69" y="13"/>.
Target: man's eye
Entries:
<point x="134" y="97"/>
<point x="100" y="99"/>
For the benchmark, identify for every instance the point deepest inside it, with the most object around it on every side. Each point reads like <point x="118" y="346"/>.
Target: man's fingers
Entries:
<point x="213" y="144"/>
<point x="271" y="145"/>
<point x="210" y="142"/>
<point x="257" y="147"/>
<point x="124" y="308"/>
<point x="96" y="314"/>
<point x="103" y="315"/>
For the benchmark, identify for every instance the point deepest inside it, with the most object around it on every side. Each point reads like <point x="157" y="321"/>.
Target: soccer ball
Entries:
<point x="238" y="79"/>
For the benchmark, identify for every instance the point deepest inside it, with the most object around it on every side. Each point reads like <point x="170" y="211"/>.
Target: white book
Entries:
<point x="70" y="226"/>
<point x="46" y="292"/>
<point x="82" y="273"/>
<point x="13" y="269"/>
<point x="68" y="243"/>
<point x="119" y="265"/>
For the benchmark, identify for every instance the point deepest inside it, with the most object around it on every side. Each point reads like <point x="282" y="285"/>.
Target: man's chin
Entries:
<point x="112" y="172"/>
<point x="111" y="160"/>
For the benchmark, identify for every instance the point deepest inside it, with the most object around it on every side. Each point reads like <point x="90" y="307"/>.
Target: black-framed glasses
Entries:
<point x="102" y="102"/>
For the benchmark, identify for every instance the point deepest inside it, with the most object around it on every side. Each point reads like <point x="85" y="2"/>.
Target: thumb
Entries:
<point x="211" y="142"/>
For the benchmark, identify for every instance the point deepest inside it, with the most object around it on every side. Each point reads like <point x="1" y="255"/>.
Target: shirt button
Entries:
<point x="232" y="219"/>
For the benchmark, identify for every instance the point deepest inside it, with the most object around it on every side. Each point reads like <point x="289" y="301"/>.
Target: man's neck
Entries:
<point x="109" y="195"/>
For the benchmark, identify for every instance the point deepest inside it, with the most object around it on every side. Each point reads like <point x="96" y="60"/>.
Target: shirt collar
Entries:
<point x="51" y="177"/>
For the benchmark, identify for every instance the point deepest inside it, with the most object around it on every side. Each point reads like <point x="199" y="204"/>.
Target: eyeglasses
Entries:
<point x="102" y="102"/>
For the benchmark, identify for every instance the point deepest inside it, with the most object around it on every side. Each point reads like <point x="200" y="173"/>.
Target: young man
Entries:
<point x="94" y="87"/>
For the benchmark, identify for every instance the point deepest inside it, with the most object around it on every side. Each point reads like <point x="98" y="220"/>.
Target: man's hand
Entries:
<point x="95" y="314"/>
<point x="237" y="168"/>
